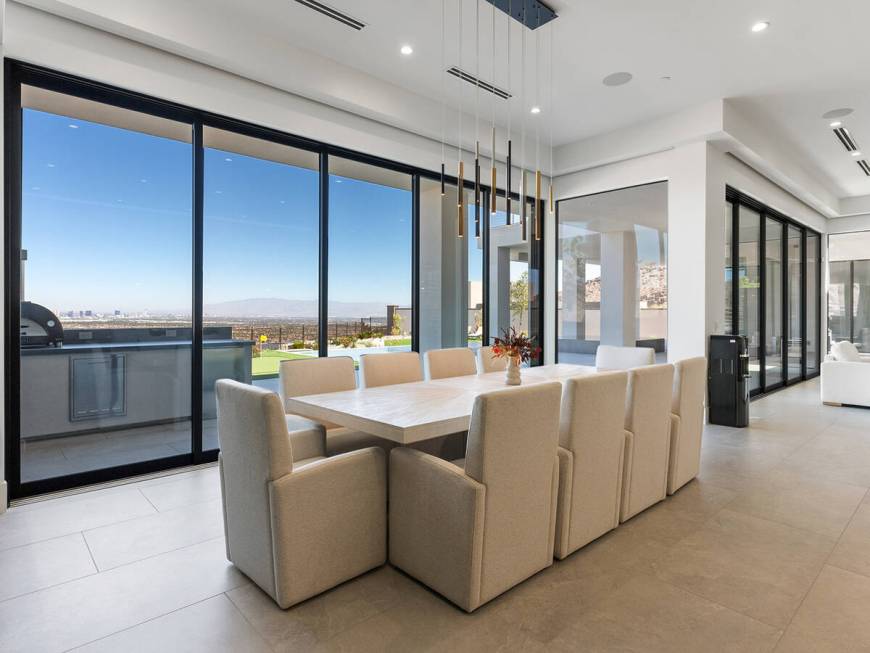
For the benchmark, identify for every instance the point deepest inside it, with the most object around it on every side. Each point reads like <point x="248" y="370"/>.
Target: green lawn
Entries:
<point x="267" y="363"/>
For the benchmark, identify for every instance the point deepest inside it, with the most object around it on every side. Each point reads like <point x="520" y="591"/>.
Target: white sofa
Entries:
<point x="846" y="376"/>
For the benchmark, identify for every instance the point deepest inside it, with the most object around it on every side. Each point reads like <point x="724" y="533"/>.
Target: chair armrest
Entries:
<point x="307" y="438"/>
<point x="329" y="522"/>
<point x="565" y="505"/>
<point x="436" y="524"/>
<point x="627" y="461"/>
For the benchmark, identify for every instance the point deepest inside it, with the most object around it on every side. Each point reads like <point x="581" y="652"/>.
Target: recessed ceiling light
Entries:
<point x="617" y="79"/>
<point x="836" y="124"/>
<point x="536" y="110"/>
<point x="760" y="26"/>
<point x="406" y="50"/>
<point x="856" y="153"/>
<point x="837" y="113"/>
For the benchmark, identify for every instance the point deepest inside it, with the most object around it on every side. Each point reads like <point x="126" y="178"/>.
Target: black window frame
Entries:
<point x="737" y="198"/>
<point x="19" y="73"/>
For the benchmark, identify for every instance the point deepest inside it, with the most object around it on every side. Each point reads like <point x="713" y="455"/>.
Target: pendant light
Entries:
<point x="537" y="215"/>
<point x="508" y="185"/>
<point x="493" y="196"/>
<point x="477" y="119"/>
<point x="523" y="188"/>
<point x="460" y="178"/>
<point x="443" y="96"/>
<point x="552" y="117"/>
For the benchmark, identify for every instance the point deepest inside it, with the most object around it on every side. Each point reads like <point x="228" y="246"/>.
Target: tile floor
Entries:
<point x="768" y="550"/>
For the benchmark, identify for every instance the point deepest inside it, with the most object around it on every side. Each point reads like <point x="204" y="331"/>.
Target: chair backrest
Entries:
<point x="512" y="443"/>
<point x="593" y="409"/>
<point x="608" y="357"/>
<point x="489" y="363"/>
<point x="690" y="391"/>
<point x="255" y="449"/>
<point x="390" y="369"/>
<point x="444" y="363"/>
<point x="648" y="416"/>
<point x="314" y="376"/>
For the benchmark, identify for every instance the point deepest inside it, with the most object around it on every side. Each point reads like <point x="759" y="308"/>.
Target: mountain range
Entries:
<point x="278" y="307"/>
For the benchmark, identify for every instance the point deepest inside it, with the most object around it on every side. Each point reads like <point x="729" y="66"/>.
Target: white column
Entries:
<point x="619" y="288"/>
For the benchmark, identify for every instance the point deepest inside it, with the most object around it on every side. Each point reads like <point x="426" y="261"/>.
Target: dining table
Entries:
<point x="412" y="412"/>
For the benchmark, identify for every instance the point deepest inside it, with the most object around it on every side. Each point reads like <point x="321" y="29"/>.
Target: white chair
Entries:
<point x="295" y="528"/>
<point x="376" y="370"/>
<point x="314" y="376"/>
<point x="486" y="362"/>
<point x="473" y="532"/>
<point x="608" y="357"/>
<point x="687" y="421"/>
<point x="846" y="376"/>
<point x="591" y="449"/>
<point x="648" y="422"/>
<point x="445" y="363"/>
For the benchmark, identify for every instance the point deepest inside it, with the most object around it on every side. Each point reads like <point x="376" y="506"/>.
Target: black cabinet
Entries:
<point x="728" y="381"/>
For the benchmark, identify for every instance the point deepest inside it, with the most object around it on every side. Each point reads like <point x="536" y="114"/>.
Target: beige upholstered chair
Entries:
<point x="608" y="357"/>
<point x="314" y="376"/>
<point x="486" y="362"/>
<point x="295" y="528"/>
<point x="473" y="532"/>
<point x="591" y="448"/>
<point x="444" y="363"/>
<point x="648" y="422"/>
<point x="687" y="421"/>
<point x="389" y="369"/>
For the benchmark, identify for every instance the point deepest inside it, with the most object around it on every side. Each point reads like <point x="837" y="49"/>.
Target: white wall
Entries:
<point x="846" y="225"/>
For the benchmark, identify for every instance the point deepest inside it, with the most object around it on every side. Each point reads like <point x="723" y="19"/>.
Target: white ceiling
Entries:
<point x="812" y="59"/>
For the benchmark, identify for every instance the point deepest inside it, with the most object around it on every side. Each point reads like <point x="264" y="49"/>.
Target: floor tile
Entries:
<point x="754" y="566"/>
<point x="54" y="520"/>
<point x="647" y="615"/>
<point x="36" y="566"/>
<point x="189" y="490"/>
<point x="839" y="454"/>
<point x="212" y="626"/>
<point x="833" y="618"/>
<point x="143" y="537"/>
<point x="321" y="618"/>
<point x="853" y="549"/>
<point x="802" y="501"/>
<point x="87" y="609"/>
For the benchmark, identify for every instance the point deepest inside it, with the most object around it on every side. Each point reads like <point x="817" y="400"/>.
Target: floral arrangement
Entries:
<point x="515" y="345"/>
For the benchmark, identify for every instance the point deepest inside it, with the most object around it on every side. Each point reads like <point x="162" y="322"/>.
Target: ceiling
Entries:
<point x="681" y="53"/>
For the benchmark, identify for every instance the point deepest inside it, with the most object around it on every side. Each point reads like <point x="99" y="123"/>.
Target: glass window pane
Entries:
<point x="773" y="304"/>
<point x="749" y="282"/>
<point x="107" y="230"/>
<point x="514" y="273"/>
<point x="370" y="212"/>
<point x="795" y="303"/>
<point x="613" y="276"/>
<point x="451" y="270"/>
<point x="260" y="261"/>
<point x="840" y="301"/>
<point x="861" y="303"/>
<point x="812" y="300"/>
<point x="728" y="223"/>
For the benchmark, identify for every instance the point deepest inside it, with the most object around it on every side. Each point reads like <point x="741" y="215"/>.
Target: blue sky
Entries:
<point x="107" y="225"/>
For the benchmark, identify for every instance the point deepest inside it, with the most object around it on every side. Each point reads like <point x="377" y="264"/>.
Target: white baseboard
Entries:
<point x="3" y="497"/>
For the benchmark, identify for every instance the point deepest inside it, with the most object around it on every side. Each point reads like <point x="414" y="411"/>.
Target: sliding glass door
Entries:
<point x="159" y="248"/>
<point x="775" y="306"/>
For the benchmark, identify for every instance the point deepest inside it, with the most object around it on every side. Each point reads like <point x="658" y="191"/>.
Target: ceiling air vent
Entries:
<point x="864" y="166"/>
<point x="335" y="14"/>
<point x="478" y="83"/>
<point x="846" y="139"/>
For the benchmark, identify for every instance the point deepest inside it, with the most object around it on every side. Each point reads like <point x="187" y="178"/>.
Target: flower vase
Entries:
<point x="513" y="371"/>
